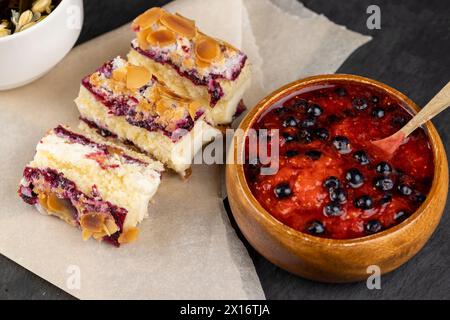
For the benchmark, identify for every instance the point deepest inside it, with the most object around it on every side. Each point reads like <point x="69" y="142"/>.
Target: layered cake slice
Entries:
<point x="191" y="63"/>
<point x="130" y="104"/>
<point x="90" y="183"/>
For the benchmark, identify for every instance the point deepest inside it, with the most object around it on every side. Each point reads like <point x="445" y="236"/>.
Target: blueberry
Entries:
<point x="378" y="112"/>
<point x="401" y="215"/>
<point x="383" y="184"/>
<point x="362" y="157"/>
<point x="301" y="103"/>
<point x="383" y="168"/>
<point x="399" y="121"/>
<point x="386" y="198"/>
<point x="375" y="99"/>
<point x="291" y="153"/>
<point x="308" y="123"/>
<point x="341" y="92"/>
<point x="331" y="183"/>
<point x="282" y="191"/>
<point x="305" y="135"/>
<point x="290" y="122"/>
<point x="419" y="198"/>
<point x="315" y="228"/>
<point x="313" y="154"/>
<point x="288" y="138"/>
<point x="360" y="104"/>
<point x="314" y="110"/>
<point x="332" y="210"/>
<point x="338" y="195"/>
<point x="364" y="202"/>
<point x="322" y="134"/>
<point x="373" y="226"/>
<point x="342" y="144"/>
<point x="355" y="178"/>
<point x="404" y="190"/>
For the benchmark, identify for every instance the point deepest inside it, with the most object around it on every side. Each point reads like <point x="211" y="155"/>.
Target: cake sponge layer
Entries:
<point x="177" y="155"/>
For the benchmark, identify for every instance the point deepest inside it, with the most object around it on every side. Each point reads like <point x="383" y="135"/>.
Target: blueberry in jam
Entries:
<point x="355" y="178"/>
<point x="342" y="144"/>
<point x="331" y="183"/>
<point x="338" y="195"/>
<point x="404" y="190"/>
<point x="290" y="122"/>
<point x="373" y="226"/>
<point x="315" y="228"/>
<point x="322" y="133"/>
<point x="383" y="168"/>
<point x="332" y="210"/>
<point x="362" y="157"/>
<point x="384" y="184"/>
<point x="350" y="190"/>
<point x="360" y="104"/>
<point x="378" y="112"/>
<point x="314" y="110"/>
<point x="282" y="191"/>
<point x="313" y="154"/>
<point x="364" y="202"/>
<point x="291" y="153"/>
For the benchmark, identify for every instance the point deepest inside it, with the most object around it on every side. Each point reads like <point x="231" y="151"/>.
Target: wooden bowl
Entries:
<point x="330" y="260"/>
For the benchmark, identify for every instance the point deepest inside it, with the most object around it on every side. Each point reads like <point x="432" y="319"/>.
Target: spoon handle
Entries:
<point x="439" y="103"/>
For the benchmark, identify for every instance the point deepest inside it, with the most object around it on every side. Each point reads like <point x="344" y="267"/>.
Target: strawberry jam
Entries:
<point x="331" y="181"/>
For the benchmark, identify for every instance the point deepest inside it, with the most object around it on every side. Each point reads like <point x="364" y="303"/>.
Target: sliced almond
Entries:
<point x="137" y="77"/>
<point x="179" y="24"/>
<point x="207" y="50"/>
<point x="93" y="222"/>
<point x="167" y="93"/>
<point x="142" y="38"/>
<point x="86" y="234"/>
<point x="129" y="235"/>
<point x="161" y="38"/>
<point x="111" y="226"/>
<point x="120" y="74"/>
<point x="147" y="19"/>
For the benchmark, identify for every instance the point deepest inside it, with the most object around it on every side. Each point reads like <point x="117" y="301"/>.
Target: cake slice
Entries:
<point x="130" y="104"/>
<point x="90" y="183"/>
<point x="191" y="63"/>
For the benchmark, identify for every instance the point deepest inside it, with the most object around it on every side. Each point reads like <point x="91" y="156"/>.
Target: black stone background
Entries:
<point x="410" y="53"/>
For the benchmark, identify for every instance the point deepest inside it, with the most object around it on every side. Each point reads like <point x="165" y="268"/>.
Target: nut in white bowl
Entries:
<point x="27" y="55"/>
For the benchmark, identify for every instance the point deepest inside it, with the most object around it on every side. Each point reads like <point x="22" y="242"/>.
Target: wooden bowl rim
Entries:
<point x="277" y="95"/>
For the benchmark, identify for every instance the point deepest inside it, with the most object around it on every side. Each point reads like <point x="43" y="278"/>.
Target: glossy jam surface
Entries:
<point x="332" y="182"/>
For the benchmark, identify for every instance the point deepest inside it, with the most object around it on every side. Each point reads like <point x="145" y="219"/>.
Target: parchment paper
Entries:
<point x="187" y="248"/>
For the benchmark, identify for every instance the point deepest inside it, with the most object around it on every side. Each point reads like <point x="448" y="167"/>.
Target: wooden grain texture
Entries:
<point x="330" y="260"/>
<point x="408" y="53"/>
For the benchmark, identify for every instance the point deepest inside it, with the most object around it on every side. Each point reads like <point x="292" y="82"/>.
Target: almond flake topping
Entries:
<point x="207" y="50"/>
<point x="129" y="235"/>
<point x="161" y="38"/>
<point x="179" y="24"/>
<point x="137" y="77"/>
<point x="147" y="19"/>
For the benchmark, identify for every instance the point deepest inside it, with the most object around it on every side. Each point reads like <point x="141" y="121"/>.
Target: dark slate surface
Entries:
<point x="410" y="53"/>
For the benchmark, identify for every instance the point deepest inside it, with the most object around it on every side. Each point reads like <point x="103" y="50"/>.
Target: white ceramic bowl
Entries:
<point x="28" y="55"/>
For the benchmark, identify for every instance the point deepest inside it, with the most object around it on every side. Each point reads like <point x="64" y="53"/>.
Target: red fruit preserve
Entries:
<point x="331" y="181"/>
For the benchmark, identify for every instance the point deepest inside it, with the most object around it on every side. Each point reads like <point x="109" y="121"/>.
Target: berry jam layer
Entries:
<point x="131" y="92"/>
<point x="332" y="182"/>
<point x="171" y="39"/>
<point x="61" y="197"/>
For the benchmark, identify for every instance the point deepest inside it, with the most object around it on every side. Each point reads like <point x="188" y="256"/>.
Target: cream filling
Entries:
<point x="176" y="155"/>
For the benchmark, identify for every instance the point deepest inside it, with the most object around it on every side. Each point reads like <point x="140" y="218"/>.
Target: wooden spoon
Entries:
<point x="439" y="103"/>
